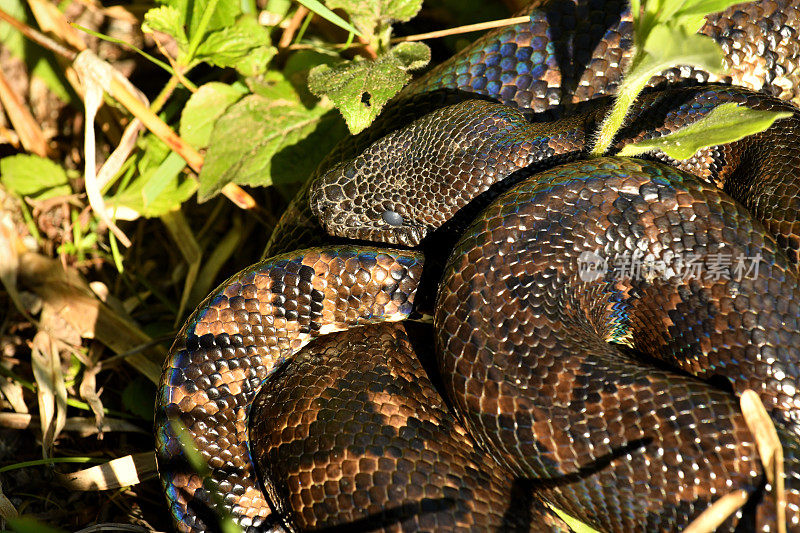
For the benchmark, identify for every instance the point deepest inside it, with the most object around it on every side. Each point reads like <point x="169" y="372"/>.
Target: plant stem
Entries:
<point x="615" y="119"/>
<point x="627" y="93"/>
<point x="200" y="32"/>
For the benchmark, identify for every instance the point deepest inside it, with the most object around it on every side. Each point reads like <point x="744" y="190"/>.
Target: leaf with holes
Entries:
<point x="361" y="88"/>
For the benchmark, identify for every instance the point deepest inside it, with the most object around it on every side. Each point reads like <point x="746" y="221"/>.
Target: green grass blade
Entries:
<point x="319" y="9"/>
<point x="47" y="462"/>
<point x="24" y="524"/>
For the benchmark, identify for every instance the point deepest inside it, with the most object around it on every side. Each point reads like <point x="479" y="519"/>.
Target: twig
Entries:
<point x="177" y="76"/>
<point x="463" y="29"/>
<point x="294" y="23"/>
<point x="716" y="513"/>
<point x="356" y="47"/>
<point x="366" y="49"/>
<point x="38" y="37"/>
<point x="49" y="18"/>
<point x="28" y="130"/>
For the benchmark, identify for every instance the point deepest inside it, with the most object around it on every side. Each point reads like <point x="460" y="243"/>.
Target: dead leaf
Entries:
<point x="51" y="391"/>
<point x="717" y="512"/>
<point x="73" y="300"/>
<point x="122" y="472"/>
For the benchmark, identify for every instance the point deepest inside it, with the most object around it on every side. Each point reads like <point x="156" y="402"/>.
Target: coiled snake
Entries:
<point x="610" y="394"/>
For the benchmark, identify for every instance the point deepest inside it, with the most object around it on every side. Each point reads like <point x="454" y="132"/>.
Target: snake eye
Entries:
<point x="393" y="218"/>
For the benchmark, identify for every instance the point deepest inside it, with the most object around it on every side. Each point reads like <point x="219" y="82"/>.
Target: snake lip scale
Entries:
<point x="309" y="424"/>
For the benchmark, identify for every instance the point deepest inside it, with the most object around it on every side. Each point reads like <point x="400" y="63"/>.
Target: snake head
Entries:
<point x="414" y="179"/>
<point x="370" y="212"/>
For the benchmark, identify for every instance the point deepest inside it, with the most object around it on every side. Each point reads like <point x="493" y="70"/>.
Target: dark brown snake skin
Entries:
<point x="385" y="450"/>
<point x="351" y="435"/>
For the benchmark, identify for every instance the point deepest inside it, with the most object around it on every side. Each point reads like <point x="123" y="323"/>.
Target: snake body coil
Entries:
<point x="547" y="368"/>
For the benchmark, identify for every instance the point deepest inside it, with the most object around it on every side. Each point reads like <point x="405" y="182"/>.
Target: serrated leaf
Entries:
<point x="664" y="37"/>
<point x="31" y="175"/>
<point x="367" y="14"/>
<point x="245" y="46"/>
<point x="361" y="88"/>
<point x="688" y="15"/>
<point x="253" y="140"/>
<point x="166" y="19"/>
<point x="204" y="108"/>
<point x="724" y="124"/>
<point x="191" y="12"/>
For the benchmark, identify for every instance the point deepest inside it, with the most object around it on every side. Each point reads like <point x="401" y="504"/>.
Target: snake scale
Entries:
<point x="612" y="396"/>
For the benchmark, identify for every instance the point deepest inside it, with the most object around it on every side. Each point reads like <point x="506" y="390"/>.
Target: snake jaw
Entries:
<point x="356" y="229"/>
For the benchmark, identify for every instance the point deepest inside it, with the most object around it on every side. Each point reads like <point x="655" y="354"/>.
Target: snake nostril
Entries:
<point x="393" y="218"/>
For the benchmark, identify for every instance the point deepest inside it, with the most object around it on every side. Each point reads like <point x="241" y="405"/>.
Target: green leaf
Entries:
<point x="260" y="142"/>
<point x="368" y="14"/>
<point x="691" y="14"/>
<point x="204" y="108"/>
<point x="667" y="46"/>
<point x="166" y="19"/>
<point x="138" y="397"/>
<point x="361" y="88"/>
<point x="245" y="46"/>
<point x="159" y="186"/>
<point x="11" y="38"/>
<point x="317" y="7"/>
<point x="165" y="174"/>
<point x="31" y="175"/>
<point x="724" y="124"/>
<point x="576" y="525"/>
<point x="26" y="524"/>
<point x="274" y="86"/>
<point x="191" y="13"/>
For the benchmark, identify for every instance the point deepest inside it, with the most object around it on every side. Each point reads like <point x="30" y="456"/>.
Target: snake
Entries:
<point x="614" y="400"/>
